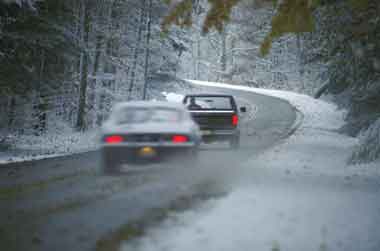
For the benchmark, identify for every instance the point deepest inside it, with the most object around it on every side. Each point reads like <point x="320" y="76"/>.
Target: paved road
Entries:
<point x="65" y="204"/>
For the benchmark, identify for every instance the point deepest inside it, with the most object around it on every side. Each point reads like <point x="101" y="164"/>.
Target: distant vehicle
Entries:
<point x="217" y="115"/>
<point x="145" y="131"/>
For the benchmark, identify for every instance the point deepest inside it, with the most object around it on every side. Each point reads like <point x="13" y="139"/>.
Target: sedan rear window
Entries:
<point x="133" y="115"/>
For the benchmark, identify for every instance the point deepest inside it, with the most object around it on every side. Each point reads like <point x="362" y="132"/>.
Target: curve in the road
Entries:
<point x="123" y="199"/>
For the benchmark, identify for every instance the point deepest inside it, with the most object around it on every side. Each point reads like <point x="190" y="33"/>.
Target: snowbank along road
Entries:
<point x="65" y="204"/>
<point x="297" y="195"/>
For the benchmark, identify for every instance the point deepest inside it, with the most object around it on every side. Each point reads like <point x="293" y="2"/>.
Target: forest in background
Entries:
<point x="65" y="62"/>
<point x="71" y="60"/>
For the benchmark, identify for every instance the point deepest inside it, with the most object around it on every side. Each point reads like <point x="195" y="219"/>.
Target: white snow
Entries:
<point x="50" y="145"/>
<point x="173" y="97"/>
<point x="304" y="199"/>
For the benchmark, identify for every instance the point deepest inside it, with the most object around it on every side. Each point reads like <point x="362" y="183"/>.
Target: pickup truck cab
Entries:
<point x="217" y="116"/>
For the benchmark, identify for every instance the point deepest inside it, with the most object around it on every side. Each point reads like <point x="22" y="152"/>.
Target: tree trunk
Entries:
<point x="147" y="50"/>
<point x="108" y="87"/>
<point x="94" y="81"/>
<point x="301" y="67"/>
<point x="321" y="90"/>
<point x="223" y="57"/>
<point x="137" y="49"/>
<point x="197" y="56"/>
<point x="41" y="106"/>
<point x="11" y="112"/>
<point x="80" y="123"/>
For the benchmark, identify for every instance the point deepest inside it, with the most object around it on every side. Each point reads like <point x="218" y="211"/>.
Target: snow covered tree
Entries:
<point x="69" y="61"/>
<point x="339" y="39"/>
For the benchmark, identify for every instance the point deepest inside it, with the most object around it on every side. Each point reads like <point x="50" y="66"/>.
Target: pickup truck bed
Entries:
<point x="217" y="117"/>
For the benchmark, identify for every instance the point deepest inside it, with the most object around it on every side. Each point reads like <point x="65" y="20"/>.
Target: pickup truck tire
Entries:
<point x="235" y="142"/>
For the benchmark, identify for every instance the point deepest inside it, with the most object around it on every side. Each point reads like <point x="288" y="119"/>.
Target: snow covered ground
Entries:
<point x="299" y="195"/>
<point x="30" y="147"/>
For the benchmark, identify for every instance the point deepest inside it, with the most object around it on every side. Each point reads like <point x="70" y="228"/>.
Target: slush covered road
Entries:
<point x="66" y="204"/>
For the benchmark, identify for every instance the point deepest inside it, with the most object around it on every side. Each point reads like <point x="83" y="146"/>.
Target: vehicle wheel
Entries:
<point x="235" y="142"/>
<point x="191" y="160"/>
<point x="110" y="164"/>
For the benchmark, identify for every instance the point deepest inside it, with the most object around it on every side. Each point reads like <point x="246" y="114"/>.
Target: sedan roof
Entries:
<point x="150" y="104"/>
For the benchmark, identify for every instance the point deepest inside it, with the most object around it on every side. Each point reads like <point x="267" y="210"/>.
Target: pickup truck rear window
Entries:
<point x="208" y="103"/>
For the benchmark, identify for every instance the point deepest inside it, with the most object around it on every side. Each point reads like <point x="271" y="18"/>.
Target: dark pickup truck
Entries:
<point x="217" y="116"/>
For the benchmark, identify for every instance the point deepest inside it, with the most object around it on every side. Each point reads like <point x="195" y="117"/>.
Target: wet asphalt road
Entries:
<point x="66" y="204"/>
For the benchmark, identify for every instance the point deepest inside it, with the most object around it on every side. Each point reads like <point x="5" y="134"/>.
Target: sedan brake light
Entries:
<point x="113" y="139"/>
<point x="180" y="139"/>
<point x="235" y="120"/>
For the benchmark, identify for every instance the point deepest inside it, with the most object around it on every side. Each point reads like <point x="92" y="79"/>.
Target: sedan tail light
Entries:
<point x="235" y="120"/>
<point x="180" y="139"/>
<point x="113" y="139"/>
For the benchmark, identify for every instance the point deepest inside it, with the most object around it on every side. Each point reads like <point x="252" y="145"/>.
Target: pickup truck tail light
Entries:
<point x="180" y="139"/>
<point x="113" y="139"/>
<point x="235" y="120"/>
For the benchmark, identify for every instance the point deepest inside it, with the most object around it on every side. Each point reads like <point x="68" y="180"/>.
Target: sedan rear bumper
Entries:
<point x="152" y="144"/>
<point x="134" y="152"/>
